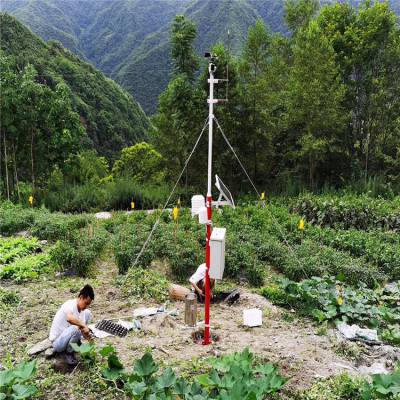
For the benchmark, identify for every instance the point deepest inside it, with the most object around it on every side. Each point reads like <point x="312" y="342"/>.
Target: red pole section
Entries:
<point x="207" y="300"/>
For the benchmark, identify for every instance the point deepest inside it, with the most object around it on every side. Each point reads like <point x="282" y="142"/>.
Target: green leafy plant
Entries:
<point x="77" y="254"/>
<point x="329" y="299"/>
<point x="383" y="386"/>
<point x="27" y="268"/>
<point x="15" y="247"/>
<point x="16" y="382"/>
<point x="146" y="284"/>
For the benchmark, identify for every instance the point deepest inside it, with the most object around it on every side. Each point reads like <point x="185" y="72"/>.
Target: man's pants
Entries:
<point x="71" y="335"/>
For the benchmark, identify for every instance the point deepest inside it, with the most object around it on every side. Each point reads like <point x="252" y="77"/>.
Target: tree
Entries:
<point x="184" y="60"/>
<point x="141" y="163"/>
<point x="179" y="117"/>
<point x="315" y="96"/>
<point x="299" y="13"/>
<point x="256" y="58"/>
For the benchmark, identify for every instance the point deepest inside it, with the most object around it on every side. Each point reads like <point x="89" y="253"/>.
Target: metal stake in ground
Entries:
<point x="211" y="101"/>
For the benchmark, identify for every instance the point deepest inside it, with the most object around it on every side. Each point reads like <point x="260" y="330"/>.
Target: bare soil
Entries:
<point x="291" y="343"/>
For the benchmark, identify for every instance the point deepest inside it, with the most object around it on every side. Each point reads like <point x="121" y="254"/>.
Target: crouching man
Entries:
<point x="198" y="281"/>
<point x="70" y="323"/>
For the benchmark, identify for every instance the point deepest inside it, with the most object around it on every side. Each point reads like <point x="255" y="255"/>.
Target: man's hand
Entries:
<point x="200" y="292"/>
<point x="86" y="333"/>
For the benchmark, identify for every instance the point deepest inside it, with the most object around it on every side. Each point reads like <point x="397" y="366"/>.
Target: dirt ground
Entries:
<point x="292" y="344"/>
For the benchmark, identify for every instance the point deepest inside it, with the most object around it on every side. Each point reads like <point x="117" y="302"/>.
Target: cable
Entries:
<point x="276" y="222"/>
<point x="169" y="198"/>
<point x="233" y="151"/>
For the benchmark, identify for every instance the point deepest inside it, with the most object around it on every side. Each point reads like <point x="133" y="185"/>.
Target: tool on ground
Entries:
<point x="112" y="328"/>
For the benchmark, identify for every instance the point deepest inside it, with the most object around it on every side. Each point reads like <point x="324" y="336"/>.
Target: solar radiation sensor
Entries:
<point x="224" y="194"/>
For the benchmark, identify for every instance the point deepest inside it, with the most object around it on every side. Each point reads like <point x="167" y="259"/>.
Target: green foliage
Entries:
<point x="14" y="218"/>
<point x="237" y="375"/>
<point x="341" y="387"/>
<point x="87" y="352"/>
<point x="360" y="212"/>
<point x="127" y="245"/>
<point x="327" y="299"/>
<point x="77" y="253"/>
<point x="8" y="299"/>
<point x="27" y="268"/>
<point x="15" y="247"/>
<point x="16" y="382"/>
<point x="183" y="33"/>
<point x="146" y="284"/>
<point x="57" y="226"/>
<point x="142" y="163"/>
<point x="383" y="386"/>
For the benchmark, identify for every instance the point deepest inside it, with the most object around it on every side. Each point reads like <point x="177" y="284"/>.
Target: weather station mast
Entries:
<point x="215" y="237"/>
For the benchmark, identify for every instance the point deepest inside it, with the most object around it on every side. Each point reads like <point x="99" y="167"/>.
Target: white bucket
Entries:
<point x="252" y="317"/>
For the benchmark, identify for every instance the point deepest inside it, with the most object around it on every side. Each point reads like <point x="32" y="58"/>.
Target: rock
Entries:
<point x="158" y="323"/>
<point x="39" y="347"/>
<point x="375" y="368"/>
<point x="43" y="242"/>
<point x="24" y="234"/>
<point x="103" y="215"/>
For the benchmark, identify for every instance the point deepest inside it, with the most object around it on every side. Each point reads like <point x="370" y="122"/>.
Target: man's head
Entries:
<point x="85" y="297"/>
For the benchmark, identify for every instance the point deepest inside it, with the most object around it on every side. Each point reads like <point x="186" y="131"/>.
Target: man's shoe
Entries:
<point x="70" y="359"/>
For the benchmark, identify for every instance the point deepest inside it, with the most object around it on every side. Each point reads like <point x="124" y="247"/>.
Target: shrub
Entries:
<point x="146" y="284"/>
<point x="76" y="254"/>
<point x="14" y="218"/>
<point x="57" y="226"/>
<point x="26" y="268"/>
<point x="127" y="244"/>
<point x="346" y="212"/>
<point x="15" y="247"/>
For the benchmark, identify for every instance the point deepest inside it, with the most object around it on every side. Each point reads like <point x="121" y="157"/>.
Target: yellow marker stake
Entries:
<point x="132" y="205"/>
<point x="301" y="224"/>
<point x="30" y="200"/>
<point x="263" y="196"/>
<point x="175" y="213"/>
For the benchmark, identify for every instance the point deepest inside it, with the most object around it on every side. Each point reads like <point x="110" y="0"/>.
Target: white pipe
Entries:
<point x="210" y="129"/>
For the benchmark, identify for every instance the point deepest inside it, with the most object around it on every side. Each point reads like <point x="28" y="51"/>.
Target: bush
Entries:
<point x="127" y="244"/>
<point x="146" y="284"/>
<point x="57" y="226"/>
<point x="76" y="254"/>
<point x="14" y="218"/>
<point x="347" y="212"/>
<point x="16" y="247"/>
<point x="27" y="268"/>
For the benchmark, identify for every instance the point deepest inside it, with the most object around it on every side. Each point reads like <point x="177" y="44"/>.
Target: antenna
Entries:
<point x="227" y="65"/>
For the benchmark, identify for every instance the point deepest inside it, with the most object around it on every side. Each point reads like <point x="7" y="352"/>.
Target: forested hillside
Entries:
<point x="53" y="106"/>
<point x="129" y="40"/>
<point x="108" y="114"/>
<point x="317" y="109"/>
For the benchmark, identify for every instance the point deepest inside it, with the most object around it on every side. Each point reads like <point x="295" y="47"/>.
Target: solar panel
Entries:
<point x="224" y="193"/>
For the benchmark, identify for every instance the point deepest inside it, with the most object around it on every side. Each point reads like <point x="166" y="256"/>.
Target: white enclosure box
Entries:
<point x="252" y="317"/>
<point x="203" y="217"/>
<point x="198" y="202"/>
<point x="217" y="253"/>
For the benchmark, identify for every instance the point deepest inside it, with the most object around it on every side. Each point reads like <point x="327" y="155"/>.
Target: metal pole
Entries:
<point x="211" y="100"/>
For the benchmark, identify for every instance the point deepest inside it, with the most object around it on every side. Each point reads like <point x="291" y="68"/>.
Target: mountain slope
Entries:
<point x="111" y="117"/>
<point x="129" y="39"/>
